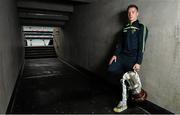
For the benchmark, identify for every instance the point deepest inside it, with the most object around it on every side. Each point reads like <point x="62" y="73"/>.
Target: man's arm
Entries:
<point x="117" y="49"/>
<point x="119" y="45"/>
<point x="116" y="53"/>
<point x="141" y="43"/>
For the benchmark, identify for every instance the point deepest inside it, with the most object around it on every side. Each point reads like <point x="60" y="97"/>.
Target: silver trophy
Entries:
<point x="134" y="86"/>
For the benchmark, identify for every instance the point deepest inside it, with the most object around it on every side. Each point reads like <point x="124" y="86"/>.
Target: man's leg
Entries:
<point x="123" y="103"/>
<point x="128" y="66"/>
<point x="115" y="72"/>
<point x="129" y="62"/>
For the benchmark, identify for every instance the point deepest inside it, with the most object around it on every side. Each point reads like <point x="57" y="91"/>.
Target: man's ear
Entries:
<point x="137" y="14"/>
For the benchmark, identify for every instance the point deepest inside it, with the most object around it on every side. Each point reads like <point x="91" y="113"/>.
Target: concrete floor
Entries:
<point x="51" y="86"/>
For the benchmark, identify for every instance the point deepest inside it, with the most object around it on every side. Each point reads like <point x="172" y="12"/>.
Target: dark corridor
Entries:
<point x="35" y="78"/>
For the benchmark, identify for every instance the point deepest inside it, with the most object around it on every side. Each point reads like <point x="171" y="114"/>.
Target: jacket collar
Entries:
<point x="134" y="23"/>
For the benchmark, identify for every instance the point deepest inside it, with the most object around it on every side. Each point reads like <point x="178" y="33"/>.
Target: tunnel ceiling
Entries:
<point x="47" y="12"/>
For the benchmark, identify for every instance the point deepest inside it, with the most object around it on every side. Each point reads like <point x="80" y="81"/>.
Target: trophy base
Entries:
<point x="140" y="97"/>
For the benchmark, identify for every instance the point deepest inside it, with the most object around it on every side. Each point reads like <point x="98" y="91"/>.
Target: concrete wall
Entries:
<point x="90" y="36"/>
<point x="58" y="41"/>
<point x="11" y="51"/>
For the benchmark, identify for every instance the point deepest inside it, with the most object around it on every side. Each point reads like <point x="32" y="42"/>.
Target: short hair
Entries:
<point x="132" y="6"/>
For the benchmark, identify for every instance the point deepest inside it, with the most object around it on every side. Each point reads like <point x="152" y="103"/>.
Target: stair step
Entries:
<point x="27" y="49"/>
<point x="46" y="51"/>
<point x="40" y="52"/>
<point x="38" y="47"/>
<point x="30" y="49"/>
<point x="42" y="55"/>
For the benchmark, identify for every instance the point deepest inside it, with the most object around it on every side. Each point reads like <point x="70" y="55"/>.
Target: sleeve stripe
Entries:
<point x="144" y="36"/>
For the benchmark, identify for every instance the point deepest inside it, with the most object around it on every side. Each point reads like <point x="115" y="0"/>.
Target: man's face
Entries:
<point x="132" y="14"/>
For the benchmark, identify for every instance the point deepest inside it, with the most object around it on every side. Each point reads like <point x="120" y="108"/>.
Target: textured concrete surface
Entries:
<point x="90" y="35"/>
<point x="11" y="51"/>
<point x="58" y="40"/>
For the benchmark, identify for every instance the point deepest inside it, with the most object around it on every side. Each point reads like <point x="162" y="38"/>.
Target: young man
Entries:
<point x="128" y="55"/>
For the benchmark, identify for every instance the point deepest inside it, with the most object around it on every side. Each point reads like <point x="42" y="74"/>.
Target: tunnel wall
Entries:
<point x="58" y="41"/>
<point x="90" y="35"/>
<point x="11" y="51"/>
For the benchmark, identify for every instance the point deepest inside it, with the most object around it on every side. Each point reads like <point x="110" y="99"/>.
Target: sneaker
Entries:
<point x="120" y="108"/>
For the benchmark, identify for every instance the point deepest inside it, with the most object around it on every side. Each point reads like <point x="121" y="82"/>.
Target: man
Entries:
<point x="128" y="55"/>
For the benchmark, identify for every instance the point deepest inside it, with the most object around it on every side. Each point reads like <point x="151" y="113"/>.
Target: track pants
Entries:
<point x="116" y="70"/>
<point x="123" y="64"/>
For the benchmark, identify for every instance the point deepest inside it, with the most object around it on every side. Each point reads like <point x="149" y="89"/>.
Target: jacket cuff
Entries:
<point x="139" y="62"/>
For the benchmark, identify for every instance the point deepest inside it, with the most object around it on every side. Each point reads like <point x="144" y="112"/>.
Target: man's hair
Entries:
<point x="132" y="6"/>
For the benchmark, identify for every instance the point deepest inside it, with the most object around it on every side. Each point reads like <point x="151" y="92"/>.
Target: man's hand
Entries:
<point x="137" y="67"/>
<point x="114" y="58"/>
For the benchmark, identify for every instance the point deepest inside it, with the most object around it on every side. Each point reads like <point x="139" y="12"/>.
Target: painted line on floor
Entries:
<point x="70" y="65"/>
<point x="41" y="76"/>
<point x="144" y="110"/>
